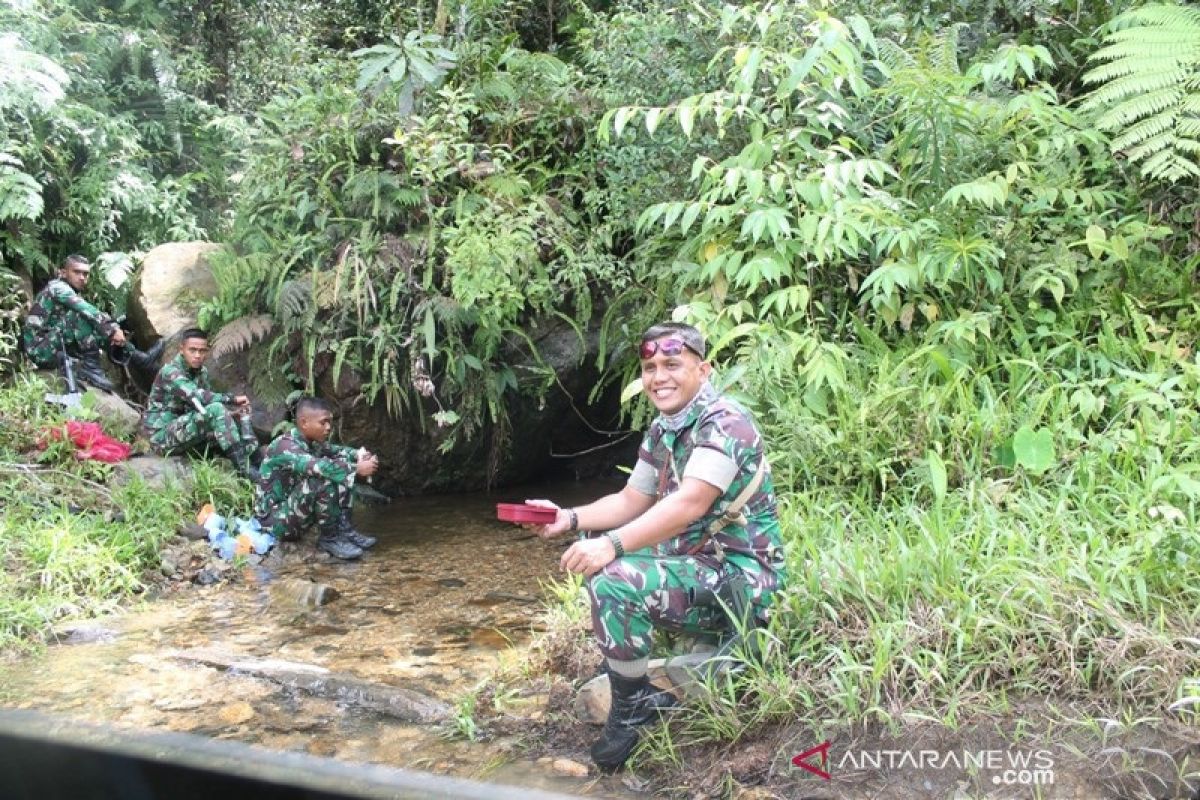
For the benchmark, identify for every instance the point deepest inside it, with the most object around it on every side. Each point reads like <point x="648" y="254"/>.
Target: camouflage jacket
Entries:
<point x="291" y="458"/>
<point x="171" y="395"/>
<point x="50" y="309"/>
<point x="723" y="425"/>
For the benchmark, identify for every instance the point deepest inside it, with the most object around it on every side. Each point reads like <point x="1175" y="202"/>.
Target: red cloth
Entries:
<point x="91" y="443"/>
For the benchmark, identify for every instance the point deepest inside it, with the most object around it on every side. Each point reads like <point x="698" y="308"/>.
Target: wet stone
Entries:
<point x="81" y="633"/>
<point x="565" y="766"/>
<point x="236" y="713"/>
<point x="452" y="583"/>
<point x="302" y="594"/>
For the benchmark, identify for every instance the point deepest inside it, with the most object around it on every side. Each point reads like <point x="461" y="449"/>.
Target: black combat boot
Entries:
<point x="635" y="703"/>
<point x="333" y="542"/>
<point x="146" y="360"/>
<point x="90" y="370"/>
<point x="348" y="531"/>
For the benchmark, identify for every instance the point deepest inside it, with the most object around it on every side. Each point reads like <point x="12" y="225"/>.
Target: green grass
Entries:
<point x="72" y="544"/>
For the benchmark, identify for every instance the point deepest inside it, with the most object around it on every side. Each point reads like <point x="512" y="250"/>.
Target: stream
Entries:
<point x="447" y="593"/>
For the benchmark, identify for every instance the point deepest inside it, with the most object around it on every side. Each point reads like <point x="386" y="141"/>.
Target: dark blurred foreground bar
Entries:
<point x="45" y="757"/>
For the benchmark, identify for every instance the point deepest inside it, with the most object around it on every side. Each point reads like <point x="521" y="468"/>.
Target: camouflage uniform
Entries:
<point x="174" y="424"/>
<point x="58" y="310"/>
<point x="657" y="587"/>
<point x="302" y="483"/>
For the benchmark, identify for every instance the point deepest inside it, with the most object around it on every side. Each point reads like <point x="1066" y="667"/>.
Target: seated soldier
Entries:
<point x="183" y="413"/>
<point x="304" y="480"/>
<point x="61" y="324"/>
<point x="697" y="517"/>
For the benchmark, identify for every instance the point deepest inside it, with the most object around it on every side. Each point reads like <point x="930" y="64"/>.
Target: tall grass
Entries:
<point x="931" y="576"/>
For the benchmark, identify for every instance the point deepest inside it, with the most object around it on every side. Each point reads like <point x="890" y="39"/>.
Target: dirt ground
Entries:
<point x="1040" y="750"/>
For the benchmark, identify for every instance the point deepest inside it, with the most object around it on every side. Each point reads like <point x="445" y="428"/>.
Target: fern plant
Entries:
<point x="1150" y="89"/>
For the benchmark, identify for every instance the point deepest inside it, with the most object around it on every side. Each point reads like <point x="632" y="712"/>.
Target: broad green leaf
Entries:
<point x="652" y="117"/>
<point x="621" y="118"/>
<point x="631" y="390"/>
<point x="1034" y="450"/>
<point x="687" y="118"/>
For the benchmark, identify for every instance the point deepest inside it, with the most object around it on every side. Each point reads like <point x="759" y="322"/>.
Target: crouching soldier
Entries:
<point x="697" y="517"/>
<point x="304" y="479"/>
<point x="184" y="414"/>
<point x="61" y="324"/>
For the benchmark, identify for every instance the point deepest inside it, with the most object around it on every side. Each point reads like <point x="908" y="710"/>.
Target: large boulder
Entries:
<point x="174" y="280"/>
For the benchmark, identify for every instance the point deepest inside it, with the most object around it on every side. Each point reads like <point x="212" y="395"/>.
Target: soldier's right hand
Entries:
<point x="366" y="467"/>
<point x="118" y="337"/>
<point x="561" y="524"/>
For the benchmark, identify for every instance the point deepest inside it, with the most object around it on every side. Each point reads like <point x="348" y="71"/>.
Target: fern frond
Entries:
<point x="241" y="333"/>
<point x="295" y="296"/>
<point x="1149" y="89"/>
<point x="895" y="57"/>
<point x="944" y="53"/>
<point x="20" y="193"/>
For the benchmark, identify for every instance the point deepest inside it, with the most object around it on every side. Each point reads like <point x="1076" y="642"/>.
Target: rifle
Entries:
<point x="73" y="397"/>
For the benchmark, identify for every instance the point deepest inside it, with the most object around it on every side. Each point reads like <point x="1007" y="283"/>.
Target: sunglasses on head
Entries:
<point x="668" y="347"/>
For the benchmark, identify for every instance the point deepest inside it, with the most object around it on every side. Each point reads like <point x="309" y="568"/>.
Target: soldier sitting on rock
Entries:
<point x="305" y="479"/>
<point x="61" y="324"/>
<point x="184" y="414"/>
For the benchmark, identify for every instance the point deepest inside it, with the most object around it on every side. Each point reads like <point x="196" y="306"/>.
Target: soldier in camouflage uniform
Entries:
<point x="305" y="479"/>
<point x="697" y="514"/>
<point x="62" y="324"/>
<point x="183" y="413"/>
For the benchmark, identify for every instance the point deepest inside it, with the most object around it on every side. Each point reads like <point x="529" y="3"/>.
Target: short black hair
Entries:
<point x="691" y="336"/>
<point x="192" y="333"/>
<point x="75" y="258"/>
<point x="309" y="404"/>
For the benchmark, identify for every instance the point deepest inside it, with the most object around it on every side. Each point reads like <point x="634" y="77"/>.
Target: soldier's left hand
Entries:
<point x="588" y="556"/>
<point x="241" y="400"/>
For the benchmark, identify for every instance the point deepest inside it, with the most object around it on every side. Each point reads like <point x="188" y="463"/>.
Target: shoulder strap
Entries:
<point x="733" y="512"/>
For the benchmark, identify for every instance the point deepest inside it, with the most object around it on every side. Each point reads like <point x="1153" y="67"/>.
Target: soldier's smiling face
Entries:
<point x="75" y="273"/>
<point x="672" y="375"/>
<point x="315" y="425"/>
<point x="195" y="351"/>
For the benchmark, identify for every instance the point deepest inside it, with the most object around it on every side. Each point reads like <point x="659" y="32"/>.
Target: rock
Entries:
<point x="236" y="713"/>
<point x="208" y="576"/>
<point x="174" y="279"/>
<point x="80" y="633"/>
<point x="230" y="372"/>
<point x="594" y="698"/>
<point x="118" y="419"/>
<point x="192" y="532"/>
<point x="305" y="594"/>
<point x="565" y="766"/>
<point x="394" y="701"/>
<point x="412" y="460"/>
<point x="157" y="471"/>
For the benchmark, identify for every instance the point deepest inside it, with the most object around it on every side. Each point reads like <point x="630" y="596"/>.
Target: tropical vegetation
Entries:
<point x="944" y="250"/>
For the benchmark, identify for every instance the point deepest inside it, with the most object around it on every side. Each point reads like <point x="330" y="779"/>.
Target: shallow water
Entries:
<point x="446" y="594"/>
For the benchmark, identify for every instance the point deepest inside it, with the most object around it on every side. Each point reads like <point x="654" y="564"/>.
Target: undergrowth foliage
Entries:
<point x="75" y="546"/>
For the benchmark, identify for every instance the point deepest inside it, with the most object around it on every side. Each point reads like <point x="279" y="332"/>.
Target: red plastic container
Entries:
<point x="525" y="514"/>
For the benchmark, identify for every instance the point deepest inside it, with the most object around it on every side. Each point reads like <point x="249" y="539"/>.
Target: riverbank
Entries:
<point x="76" y="543"/>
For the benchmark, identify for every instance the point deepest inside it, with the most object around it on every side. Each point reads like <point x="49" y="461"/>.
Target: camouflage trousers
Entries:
<point x="41" y="343"/>
<point x="639" y="592"/>
<point x="313" y="501"/>
<point x="194" y="429"/>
